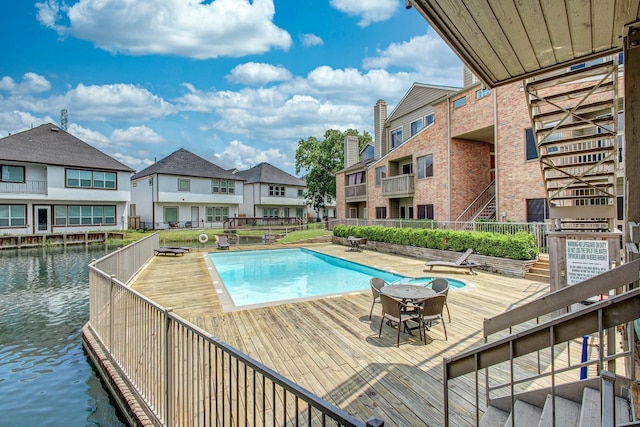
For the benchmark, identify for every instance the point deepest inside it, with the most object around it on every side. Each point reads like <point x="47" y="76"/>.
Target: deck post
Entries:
<point x="168" y="361"/>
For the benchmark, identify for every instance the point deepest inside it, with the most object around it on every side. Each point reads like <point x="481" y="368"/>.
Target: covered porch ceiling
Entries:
<point x="503" y="41"/>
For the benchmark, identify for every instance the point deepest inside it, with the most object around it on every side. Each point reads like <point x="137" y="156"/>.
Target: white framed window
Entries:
<point x="270" y="212"/>
<point x="416" y="126"/>
<point x="170" y="214"/>
<point x="481" y="93"/>
<point x="429" y="119"/>
<point x="460" y="102"/>
<point x="425" y="166"/>
<point x="396" y="137"/>
<point x="84" y="215"/>
<point x="276" y="190"/>
<point x="90" y="179"/>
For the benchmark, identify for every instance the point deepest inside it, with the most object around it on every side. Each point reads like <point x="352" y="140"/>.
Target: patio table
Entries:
<point x="414" y="293"/>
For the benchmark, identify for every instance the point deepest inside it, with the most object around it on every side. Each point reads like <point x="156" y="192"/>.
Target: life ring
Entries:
<point x="203" y="238"/>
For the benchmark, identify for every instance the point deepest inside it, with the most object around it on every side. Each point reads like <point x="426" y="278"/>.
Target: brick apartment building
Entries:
<point x="462" y="154"/>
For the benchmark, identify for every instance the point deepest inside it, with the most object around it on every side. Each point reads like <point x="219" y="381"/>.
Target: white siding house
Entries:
<point x="270" y="192"/>
<point x="185" y="190"/>
<point x="53" y="182"/>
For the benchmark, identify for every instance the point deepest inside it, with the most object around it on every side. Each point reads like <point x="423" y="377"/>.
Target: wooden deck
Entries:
<point x="330" y="346"/>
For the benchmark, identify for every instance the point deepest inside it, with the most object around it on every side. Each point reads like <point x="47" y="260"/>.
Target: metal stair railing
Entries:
<point x="540" y="355"/>
<point x="478" y="204"/>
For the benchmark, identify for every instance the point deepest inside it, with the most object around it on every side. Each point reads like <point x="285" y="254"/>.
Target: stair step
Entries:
<point x="567" y="413"/>
<point x="525" y="415"/>
<point x="590" y="414"/>
<point x="493" y="417"/>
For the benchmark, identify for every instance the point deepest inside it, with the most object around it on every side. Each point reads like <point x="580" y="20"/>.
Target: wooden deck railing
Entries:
<point x="186" y="376"/>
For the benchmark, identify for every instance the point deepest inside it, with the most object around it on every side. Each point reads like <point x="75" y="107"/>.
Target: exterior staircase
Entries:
<point x="540" y="270"/>
<point x="574" y="118"/>
<point x="568" y="413"/>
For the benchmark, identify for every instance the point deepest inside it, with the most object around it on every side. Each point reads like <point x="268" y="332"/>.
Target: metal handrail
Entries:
<point x="481" y="201"/>
<point x="183" y="374"/>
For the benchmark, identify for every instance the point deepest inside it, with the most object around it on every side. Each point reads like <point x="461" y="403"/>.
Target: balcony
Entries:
<point x="27" y="187"/>
<point x="398" y="186"/>
<point x="356" y="193"/>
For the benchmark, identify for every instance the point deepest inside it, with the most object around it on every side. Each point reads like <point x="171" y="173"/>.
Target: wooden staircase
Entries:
<point x="540" y="270"/>
<point x="574" y="119"/>
<point x="568" y="413"/>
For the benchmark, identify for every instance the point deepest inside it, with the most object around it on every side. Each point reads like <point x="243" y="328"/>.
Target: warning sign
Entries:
<point x="585" y="259"/>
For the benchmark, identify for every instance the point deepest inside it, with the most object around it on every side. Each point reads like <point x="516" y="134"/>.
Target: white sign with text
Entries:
<point x="585" y="259"/>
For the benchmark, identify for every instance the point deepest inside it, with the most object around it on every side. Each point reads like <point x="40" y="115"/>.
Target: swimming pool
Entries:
<point x="265" y="276"/>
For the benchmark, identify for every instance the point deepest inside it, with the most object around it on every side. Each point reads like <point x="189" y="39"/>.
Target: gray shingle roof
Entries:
<point x="184" y="163"/>
<point x="266" y="173"/>
<point x="50" y="145"/>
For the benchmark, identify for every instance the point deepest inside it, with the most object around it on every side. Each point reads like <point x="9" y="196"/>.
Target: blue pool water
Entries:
<point x="45" y="378"/>
<point x="254" y="277"/>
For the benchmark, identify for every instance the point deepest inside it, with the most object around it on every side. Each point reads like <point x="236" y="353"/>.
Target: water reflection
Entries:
<point x="45" y="378"/>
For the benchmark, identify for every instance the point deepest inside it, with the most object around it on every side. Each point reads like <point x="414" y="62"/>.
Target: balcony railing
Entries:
<point x="355" y="191"/>
<point x="397" y="186"/>
<point x="27" y="187"/>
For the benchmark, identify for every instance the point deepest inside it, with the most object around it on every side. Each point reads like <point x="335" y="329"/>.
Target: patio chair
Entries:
<point x="223" y="242"/>
<point x="441" y="286"/>
<point x="376" y="284"/>
<point x="392" y="310"/>
<point x="459" y="263"/>
<point x="432" y="309"/>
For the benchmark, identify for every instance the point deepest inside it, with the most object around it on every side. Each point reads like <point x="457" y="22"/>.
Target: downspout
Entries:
<point x="449" y="156"/>
<point x="496" y="187"/>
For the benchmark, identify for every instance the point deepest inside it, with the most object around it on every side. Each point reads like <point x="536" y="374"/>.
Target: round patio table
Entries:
<point x="407" y="292"/>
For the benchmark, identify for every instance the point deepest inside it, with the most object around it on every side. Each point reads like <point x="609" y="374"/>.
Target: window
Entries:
<point x="481" y="93"/>
<point x="381" y="212"/>
<point x="396" y="137"/>
<point x="286" y="212"/>
<point x="429" y="119"/>
<point x="425" y="166"/>
<point x="537" y="210"/>
<point x="276" y="190"/>
<point x="356" y="178"/>
<point x="460" y="102"/>
<point x="407" y="168"/>
<point x="184" y="184"/>
<point x="84" y="215"/>
<point x="12" y="174"/>
<point x="425" y="211"/>
<point x="368" y="152"/>
<point x="381" y="172"/>
<point x="300" y="192"/>
<point x="270" y="212"/>
<point x="13" y="215"/>
<point x="91" y="179"/>
<point x="530" y="144"/>
<point x="170" y="214"/>
<point x="299" y="212"/>
<point x="218" y="214"/>
<point x="416" y="126"/>
<point x="227" y="187"/>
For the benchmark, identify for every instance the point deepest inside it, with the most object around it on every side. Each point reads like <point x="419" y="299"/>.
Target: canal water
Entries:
<point x="45" y="377"/>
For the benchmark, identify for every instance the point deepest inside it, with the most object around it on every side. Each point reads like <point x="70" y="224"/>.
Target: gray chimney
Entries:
<point x="379" y="136"/>
<point x="351" y="151"/>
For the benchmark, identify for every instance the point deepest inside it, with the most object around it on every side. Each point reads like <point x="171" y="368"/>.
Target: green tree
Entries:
<point x="322" y="159"/>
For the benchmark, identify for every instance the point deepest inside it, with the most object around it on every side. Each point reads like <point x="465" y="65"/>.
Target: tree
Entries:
<point x="322" y="159"/>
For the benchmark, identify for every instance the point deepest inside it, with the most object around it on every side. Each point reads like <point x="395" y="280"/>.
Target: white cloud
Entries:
<point x="133" y="162"/>
<point x="308" y="40"/>
<point x="369" y="11"/>
<point x="92" y="137"/>
<point x="195" y="29"/>
<point x="428" y="54"/>
<point x="12" y="122"/>
<point x="258" y="73"/>
<point x="31" y="83"/>
<point x="136" y="135"/>
<point x="241" y="156"/>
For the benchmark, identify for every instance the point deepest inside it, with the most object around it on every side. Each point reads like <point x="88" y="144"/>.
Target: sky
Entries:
<point x="236" y="82"/>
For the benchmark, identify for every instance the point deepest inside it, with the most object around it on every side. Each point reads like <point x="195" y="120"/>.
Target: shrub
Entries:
<point x="519" y="245"/>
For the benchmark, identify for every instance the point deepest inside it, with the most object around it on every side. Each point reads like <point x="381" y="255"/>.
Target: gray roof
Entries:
<point x="184" y="163"/>
<point x="48" y="144"/>
<point x="266" y="173"/>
